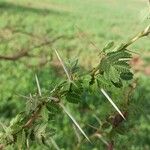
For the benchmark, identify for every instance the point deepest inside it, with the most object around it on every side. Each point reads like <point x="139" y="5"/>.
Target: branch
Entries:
<point x="110" y="146"/>
<point x="142" y="34"/>
<point x="33" y="117"/>
<point x="25" y="53"/>
<point x="14" y="57"/>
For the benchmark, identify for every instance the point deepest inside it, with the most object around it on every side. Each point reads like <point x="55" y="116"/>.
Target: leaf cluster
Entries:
<point x="34" y="124"/>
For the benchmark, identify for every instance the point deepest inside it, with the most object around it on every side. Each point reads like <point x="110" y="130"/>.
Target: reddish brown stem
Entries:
<point x="33" y="117"/>
<point x="110" y="145"/>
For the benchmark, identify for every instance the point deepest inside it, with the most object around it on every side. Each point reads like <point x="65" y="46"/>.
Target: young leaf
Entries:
<point x="53" y="107"/>
<point x="108" y="46"/>
<point x="121" y="66"/>
<point x="44" y="114"/>
<point x="102" y="82"/>
<point x="73" y="97"/>
<point x="126" y="76"/>
<point x="117" y="84"/>
<point x="114" y="74"/>
<point x="115" y="56"/>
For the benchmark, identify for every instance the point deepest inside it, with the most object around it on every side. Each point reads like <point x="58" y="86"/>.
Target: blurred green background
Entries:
<point x="77" y="29"/>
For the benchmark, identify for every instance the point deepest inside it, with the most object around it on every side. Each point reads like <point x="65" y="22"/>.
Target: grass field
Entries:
<point x="76" y="28"/>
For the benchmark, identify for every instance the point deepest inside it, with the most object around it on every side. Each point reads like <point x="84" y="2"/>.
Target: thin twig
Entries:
<point x="142" y="34"/>
<point x="25" y="53"/>
<point x="14" y="57"/>
<point x="91" y="42"/>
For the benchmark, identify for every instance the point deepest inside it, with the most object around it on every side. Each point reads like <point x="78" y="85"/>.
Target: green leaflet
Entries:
<point x="77" y="86"/>
<point x="40" y="132"/>
<point x="32" y="103"/>
<point x="108" y="46"/>
<point x="102" y="82"/>
<point x="17" y="119"/>
<point x="73" y="97"/>
<point x="117" y="84"/>
<point x="104" y="65"/>
<point x="16" y="128"/>
<point x="44" y="114"/>
<point x="75" y="91"/>
<point x="21" y="139"/>
<point x="115" y="56"/>
<point x="53" y="107"/>
<point x="72" y="65"/>
<point x="114" y="66"/>
<point x="126" y="76"/>
<point x="7" y="132"/>
<point x="113" y="74"/>
<point x="122" y="66"/>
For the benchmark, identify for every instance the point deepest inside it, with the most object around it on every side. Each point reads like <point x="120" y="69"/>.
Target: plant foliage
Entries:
<point x="35" y="123"/>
